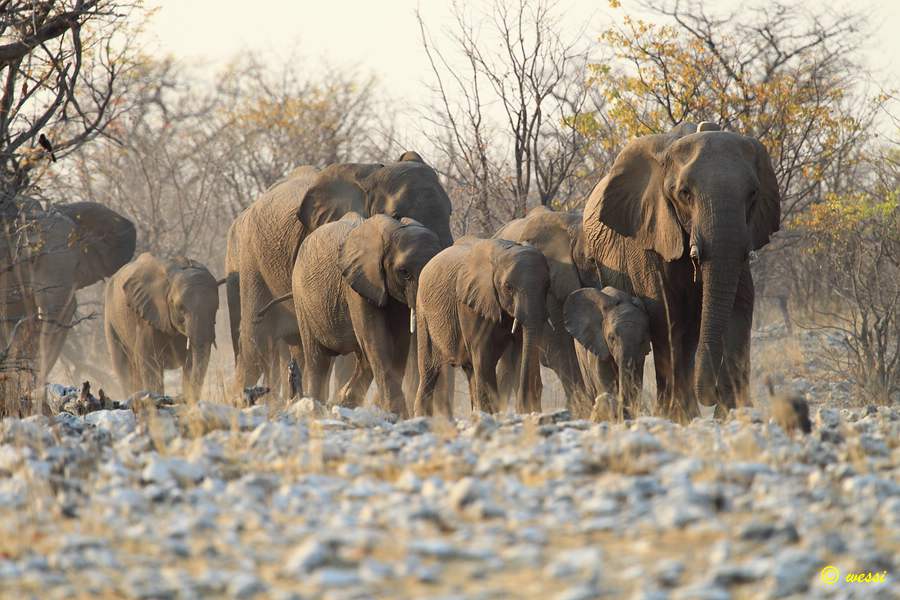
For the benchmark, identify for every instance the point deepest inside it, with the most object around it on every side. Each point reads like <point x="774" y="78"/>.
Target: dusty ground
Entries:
<point x="302" y="501"/>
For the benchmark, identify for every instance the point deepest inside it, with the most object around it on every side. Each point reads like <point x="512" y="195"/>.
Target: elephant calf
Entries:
<point x="472" y="298"/>
<point x="161" y="314"/>
<point x="354" y="282"/>
<point x="612" y="337"/>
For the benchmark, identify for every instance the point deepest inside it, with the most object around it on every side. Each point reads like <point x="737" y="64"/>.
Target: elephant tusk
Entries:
<point x="515" y="325"/>
<point x="188" y="344"/>
<point x="550" y="323"/>
<point x="752" y="256"/>
<point x="695" y="252"/>
<point x="412" y="320"/>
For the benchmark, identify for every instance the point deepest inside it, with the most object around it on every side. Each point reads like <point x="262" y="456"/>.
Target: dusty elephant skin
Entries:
<point x="60" y="251"/>
<point x="161" y="314"/>
<point x="558" y="235"/>
<point x="612" y="337"/>
<point x="264" y="239"/>
<point x="472" y="299"/>
<point x="360" y="302"/>
<point x="673" y="223"/>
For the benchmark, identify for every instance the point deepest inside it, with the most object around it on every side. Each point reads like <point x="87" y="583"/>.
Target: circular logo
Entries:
<point x="830" y="575"/>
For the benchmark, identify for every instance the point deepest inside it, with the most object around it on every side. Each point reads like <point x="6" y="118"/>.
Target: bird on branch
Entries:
<point x="46" y="145"/>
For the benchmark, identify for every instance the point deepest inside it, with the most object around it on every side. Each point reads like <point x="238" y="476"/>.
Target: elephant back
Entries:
<point x="105" y="240"/>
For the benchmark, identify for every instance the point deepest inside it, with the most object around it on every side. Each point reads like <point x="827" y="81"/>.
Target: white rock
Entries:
<point x="117" y="422"/>
<point x="309" y="556"/>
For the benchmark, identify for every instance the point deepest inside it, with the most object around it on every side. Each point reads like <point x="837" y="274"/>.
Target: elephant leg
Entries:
<point x="120" y="362"/>
<point x="735" y="374"/>
<point x="233" y="297"/>
<point x="254" y="346"/>
<point x="428" y="369"/>
<point x="386" y="352"/>
<point x="507" y="376"/>
<point x="353" y="392"/>
<point x="343" y="368"/>
<point x="316" y="362"/>
<point x="562" y="360"/>
<point x="484" y="389"/>
<point x="411" y="376"/>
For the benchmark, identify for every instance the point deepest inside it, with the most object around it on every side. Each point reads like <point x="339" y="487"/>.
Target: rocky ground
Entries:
<point x="307" y="502"/>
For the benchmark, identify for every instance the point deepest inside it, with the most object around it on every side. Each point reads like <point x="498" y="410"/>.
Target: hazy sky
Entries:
<point x="382" y="36"/>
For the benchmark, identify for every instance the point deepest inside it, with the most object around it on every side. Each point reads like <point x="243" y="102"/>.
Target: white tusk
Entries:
<point x="752" y="256"/>
<point x="412" y="320"/>
<point x="188" y="344"/>
<point x="695" y="252"/>
<point x="550" y="323"/>
<point x="515" y="325"/>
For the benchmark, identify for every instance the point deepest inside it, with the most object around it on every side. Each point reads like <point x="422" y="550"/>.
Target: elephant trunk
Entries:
<point x="197" y="363"/>
<point x="529" y="392"/>
<point x="720" y="279"/>
<point x="631" y="374"/>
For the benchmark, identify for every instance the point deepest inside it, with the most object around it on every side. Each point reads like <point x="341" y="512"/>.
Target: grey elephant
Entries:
<point x="475" y="299"/>
<point x="161" y="314"/>
<point x="612" y="338"/>
<point x="264" y="240"/>
<point x="558" y="235"/>
<point x="354" y="283"/>
<point x="51" y="254"/>
<point x="675" y="223"/>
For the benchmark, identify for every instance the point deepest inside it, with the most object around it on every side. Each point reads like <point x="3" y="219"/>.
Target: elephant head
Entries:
<point x="407" y="188"/>
<point x="500" y="278"/>
<point x="615" y="327"/>
<point x="104" y="239"/>
<point x="179" y="298"/>
<point x="383" y="257"/>
<point x="699" y="192"/>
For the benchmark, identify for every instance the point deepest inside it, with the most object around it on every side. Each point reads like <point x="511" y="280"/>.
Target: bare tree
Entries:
<point x="509" y="91"/>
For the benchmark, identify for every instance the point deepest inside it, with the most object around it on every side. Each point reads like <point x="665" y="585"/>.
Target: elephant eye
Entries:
<point x="684" y="193"/>
<point x="404" y="273"/>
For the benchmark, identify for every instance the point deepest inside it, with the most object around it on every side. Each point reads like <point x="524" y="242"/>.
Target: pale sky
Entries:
<point x="381" y="37"/>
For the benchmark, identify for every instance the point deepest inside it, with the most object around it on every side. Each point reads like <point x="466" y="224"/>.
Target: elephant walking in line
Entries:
<point x="50" y="255"/>
<point x="558" y="235"/>
<point x="472" y="298"/>
<point x="612" y="339"/>
<point x="263" y="242"/>
<point x="354" y="283"/>
<point x="675" y="222"/>
<point x="161" y="314"/>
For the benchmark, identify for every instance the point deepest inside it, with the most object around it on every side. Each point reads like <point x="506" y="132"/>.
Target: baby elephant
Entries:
<point x="161" y="314"/>
<point x="473" y="298"/>
<point x="354" y="282"/>
<point x="612" y="338"/>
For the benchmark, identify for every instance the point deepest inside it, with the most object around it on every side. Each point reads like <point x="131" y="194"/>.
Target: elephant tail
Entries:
<point x="262" y="312"/>
<point x="233" y="295"/>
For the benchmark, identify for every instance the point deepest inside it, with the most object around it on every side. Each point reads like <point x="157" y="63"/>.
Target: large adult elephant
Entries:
<point x="674" y="222"/>
<point x="264" y="239"/>
<point x="50" y="254"/>
<point x="558" y="235"/>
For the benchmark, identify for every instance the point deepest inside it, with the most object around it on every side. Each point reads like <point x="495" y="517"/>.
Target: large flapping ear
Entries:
<point x="362" y="258"/>
<point x="147" y="291"/>
<point x="765" y="216"/>
<point x="104" y="240"/>
<point x="583" y="312"/>
<point x="337" y="190"/>
<point x="475" y="281"/>
<point x="632" y="200"/>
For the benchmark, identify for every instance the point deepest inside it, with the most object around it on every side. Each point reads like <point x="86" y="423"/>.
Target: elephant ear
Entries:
<point x="147" y="290"/>
<point x="104" y="239"/>
<point x="583" y="311"/>
<point x="632" y="201"/>
<point x="475" y="281"/>
<point x="337" y="190"/>
<point x="550" y="234"/>
<point x="765" y="216"/>
<point x="362" y="258"/>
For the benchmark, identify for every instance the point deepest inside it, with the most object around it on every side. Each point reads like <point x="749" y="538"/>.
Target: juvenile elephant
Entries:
<point x="558" y="235"/>
<point x="264" y="240"/>
<point x="354" y="282"/>
<point x="161" y="314"/>
<point x="612" y="337"/>
<point x="674" y="222"/>
<point x="472" y="298"/>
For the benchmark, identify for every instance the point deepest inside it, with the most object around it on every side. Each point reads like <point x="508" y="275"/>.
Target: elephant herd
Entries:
<point x="358" y="259"/>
